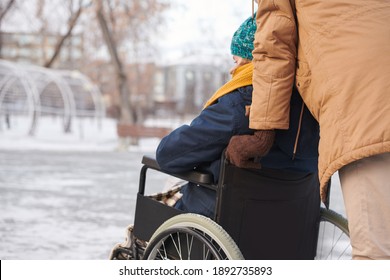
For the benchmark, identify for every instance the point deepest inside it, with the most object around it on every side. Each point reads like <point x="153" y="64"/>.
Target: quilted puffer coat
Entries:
<point x="341" y="65"/>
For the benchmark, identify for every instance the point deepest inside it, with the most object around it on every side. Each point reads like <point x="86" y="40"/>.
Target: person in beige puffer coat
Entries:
<point x="340" y="63"/>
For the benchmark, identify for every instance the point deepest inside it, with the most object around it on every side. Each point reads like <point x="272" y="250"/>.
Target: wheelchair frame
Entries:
<point x="163" y="232"/>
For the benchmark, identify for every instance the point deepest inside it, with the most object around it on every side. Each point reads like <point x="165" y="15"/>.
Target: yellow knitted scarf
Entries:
<point x="241" y="77"/>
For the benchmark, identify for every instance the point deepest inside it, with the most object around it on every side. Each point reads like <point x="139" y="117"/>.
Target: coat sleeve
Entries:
<point x="203" y="141"/>
<point x="274" y="59"/>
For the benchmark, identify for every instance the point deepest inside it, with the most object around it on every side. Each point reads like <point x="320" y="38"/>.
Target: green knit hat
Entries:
<point x="242" y="41"/>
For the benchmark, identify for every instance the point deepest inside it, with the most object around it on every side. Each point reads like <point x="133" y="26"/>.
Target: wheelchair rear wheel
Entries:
<point x="191" y="236"/>
<point x="333" y="237"/>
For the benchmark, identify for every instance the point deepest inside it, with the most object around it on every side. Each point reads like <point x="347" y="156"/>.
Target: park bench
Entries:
<point x="126" y="130"/>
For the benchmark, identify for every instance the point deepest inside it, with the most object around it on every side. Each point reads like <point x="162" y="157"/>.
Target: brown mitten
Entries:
<point x="244" y="149"/>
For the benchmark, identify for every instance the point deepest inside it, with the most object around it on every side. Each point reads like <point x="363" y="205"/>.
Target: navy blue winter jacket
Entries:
<point x="200" y="144"/>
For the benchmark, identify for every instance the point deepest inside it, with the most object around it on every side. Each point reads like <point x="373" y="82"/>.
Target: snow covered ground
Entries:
<point x="67" y="196"/>
<point x="71" y="196"/>
<point x="86" y="135"/>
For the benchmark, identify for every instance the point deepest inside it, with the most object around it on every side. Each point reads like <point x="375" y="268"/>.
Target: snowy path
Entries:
<point x="57" y="205"/>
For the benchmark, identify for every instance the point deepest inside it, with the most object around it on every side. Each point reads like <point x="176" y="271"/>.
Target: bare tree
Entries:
<point x="71" y="24"/>
<point x="127" y="27"/>
<point x="124" y="90"/>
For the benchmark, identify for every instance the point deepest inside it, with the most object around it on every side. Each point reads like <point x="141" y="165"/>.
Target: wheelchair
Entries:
<point x="260" y="214"/>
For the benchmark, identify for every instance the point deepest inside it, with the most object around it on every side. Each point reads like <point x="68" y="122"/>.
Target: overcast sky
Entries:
<point x="223" y="16"/>
<point x="204" y="22"/>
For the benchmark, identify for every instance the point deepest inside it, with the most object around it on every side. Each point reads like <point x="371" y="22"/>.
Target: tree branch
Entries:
<point x="61" y="41"/>
<point x="6" y="9"/>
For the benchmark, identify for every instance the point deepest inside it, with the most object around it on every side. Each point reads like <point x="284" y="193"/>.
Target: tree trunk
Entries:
<point x="125" y="116"/>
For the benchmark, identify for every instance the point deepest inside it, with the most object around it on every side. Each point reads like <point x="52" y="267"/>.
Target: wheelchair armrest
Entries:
<point x="194" y="176"/>
<point x="150" y="162"/>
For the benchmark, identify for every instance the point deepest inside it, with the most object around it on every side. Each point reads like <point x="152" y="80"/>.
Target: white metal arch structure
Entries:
<point x="55" y="96"/>
<point x="18" y="94"/>
<point x="87" y="97"/>
<point x="47" y="92"/>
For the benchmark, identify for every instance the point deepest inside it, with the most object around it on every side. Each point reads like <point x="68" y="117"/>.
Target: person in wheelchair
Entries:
<point x="200" y="145"/>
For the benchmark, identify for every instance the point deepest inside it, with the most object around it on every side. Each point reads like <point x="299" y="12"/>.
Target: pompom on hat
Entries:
<point x="242" y="41"/>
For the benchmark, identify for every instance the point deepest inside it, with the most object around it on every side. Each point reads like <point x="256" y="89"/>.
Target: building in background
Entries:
<point x="36" y="48"/>
<point x="185" y="85"/>
<point x="178" y="87"/>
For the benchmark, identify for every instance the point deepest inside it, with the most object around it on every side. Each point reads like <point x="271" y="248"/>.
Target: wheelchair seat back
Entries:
<point x="270" y="214"/>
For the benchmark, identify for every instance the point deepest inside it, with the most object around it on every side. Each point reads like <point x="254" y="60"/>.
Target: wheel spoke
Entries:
<point x="333" y="239"/>
<point x="165" y="257"/>
<point x="176" y="247"/>
<point x="189" y="246"/>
